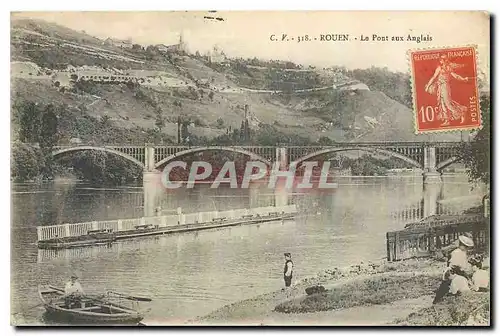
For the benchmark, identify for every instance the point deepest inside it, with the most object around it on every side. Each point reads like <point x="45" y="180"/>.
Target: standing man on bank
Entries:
<point x="288" y="271"/>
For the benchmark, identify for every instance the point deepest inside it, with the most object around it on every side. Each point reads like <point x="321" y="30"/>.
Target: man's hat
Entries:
<point x="74" y="275"/>
<point x="466" y="241"/>
<point x="288" y="255"/>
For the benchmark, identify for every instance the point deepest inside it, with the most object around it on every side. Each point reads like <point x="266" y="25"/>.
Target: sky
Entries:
<point x="247" y="34"/>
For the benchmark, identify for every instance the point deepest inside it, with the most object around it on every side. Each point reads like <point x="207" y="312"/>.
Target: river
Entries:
<point x="192" y="274"/>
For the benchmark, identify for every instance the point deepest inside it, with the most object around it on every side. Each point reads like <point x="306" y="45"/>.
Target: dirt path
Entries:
<point x="259" y="310"/>
<point x="261" y="314"/>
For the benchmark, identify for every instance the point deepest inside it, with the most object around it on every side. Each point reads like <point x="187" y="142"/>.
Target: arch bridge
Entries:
<point x="432" y="158"/>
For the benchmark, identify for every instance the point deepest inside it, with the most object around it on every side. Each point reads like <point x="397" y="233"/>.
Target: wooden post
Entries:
<point x="39" y="232"/>
<point x="397" y="246"/>
<point x="66" y="227"/>
<point x="388" y="246"/>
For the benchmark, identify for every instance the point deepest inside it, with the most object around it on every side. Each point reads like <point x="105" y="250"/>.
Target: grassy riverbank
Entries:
<point x="397" y="293"/>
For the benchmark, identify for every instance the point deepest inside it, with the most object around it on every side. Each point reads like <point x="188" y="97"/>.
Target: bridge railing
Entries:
<point x="119" y="225"/>
<point x="440" y="144"/>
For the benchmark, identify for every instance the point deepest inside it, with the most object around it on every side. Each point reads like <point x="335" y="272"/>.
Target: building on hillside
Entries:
<point x="75" y="141"/>
<point x="217" y="56"/>
<point x="127" y="44"/>
<point x="179" y="47"/>
<point x="169" y="48"/>
<point x="355" y="87"/>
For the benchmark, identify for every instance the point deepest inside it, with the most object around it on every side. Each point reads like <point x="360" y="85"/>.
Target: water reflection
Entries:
<point x="192" y="274"/>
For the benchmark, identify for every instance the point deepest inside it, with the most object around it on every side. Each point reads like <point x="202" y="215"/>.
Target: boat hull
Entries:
<point x="70" y="317"/>
<point x="91" y="311"/>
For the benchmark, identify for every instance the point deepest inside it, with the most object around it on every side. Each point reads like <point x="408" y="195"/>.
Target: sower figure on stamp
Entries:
<point x="288" y="270"/>
<point x="440" y="85"/>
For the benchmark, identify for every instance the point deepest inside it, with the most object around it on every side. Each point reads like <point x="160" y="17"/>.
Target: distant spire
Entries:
<point x="182" y="45"/>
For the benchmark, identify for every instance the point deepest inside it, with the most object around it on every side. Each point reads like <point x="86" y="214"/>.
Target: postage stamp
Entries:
<point x="445" y="89"/>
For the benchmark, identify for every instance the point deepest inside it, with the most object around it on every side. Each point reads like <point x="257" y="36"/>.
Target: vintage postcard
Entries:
<point x="250" y="168"/>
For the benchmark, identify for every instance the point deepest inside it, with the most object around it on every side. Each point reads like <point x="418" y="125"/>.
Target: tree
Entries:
<point x="48" y="130"/>
<point x="476" y="154"/>
<point x="105" y="120"/>
<point x="29" y="121"/>
<point x="137" y="47"/>
<point x="220" y="123"/>
<point x="325" y="141"/>
<point x="247" y="130"/>
<point x="185" y="131"/>
<point x="160" y="120"/>
<point x="26" y="162"/>
<point x="242" y="130"/>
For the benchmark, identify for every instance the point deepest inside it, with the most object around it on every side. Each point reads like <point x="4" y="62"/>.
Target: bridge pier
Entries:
<point x="280" y="197"/>
<point x="431" y="174"/>
<point x="152" y="188"/>
<point x="432" y="194"/>
<point x="282" y="157"/>
<point x="149" y="158"/>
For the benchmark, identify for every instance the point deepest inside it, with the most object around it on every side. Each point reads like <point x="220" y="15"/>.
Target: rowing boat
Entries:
<point x="89" y="310"/>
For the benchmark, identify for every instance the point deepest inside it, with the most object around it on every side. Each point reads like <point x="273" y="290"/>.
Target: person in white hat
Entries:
<point x="458" y="257"/>
<point x="458" y="265"/>
<point x="73" y="291"/>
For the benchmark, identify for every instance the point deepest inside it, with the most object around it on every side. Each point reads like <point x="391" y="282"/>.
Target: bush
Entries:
<point x="26" y="162"/>
<point x="141" y="96"/>
<point x="88" y="87"/>
<point x="220" y="123"/>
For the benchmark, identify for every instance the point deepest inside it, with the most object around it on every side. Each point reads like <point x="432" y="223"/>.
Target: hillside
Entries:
<point x="133" y="88"/>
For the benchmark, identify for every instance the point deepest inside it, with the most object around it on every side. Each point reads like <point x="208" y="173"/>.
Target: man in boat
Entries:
<point x="73" y="292"/>
<point x="458" y="265"/>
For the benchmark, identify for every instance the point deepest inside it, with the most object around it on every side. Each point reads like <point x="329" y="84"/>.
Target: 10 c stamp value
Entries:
<point x="445" y="89"/>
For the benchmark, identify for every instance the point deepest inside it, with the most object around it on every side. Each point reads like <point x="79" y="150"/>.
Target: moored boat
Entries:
<point x="89" y="310"/>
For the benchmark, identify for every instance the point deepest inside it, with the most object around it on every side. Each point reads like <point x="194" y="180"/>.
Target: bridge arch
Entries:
<point x="63" y="151"/>
<point x="193" y="150"/>
<point x="443" y="164"/>
<point x="386" y="152"/>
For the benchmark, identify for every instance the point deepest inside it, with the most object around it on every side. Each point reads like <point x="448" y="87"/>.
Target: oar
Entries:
<point x="28" y="309"/>
<point x="130" y="297"/>
<point x="87" y="296"/>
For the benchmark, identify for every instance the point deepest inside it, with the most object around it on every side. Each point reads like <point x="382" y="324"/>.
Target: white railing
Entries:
<point x="81" y="229"/>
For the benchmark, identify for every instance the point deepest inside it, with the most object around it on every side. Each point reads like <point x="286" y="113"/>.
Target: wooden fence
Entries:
<point x="81" y="229"/>
<point x="420" y="241"/>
